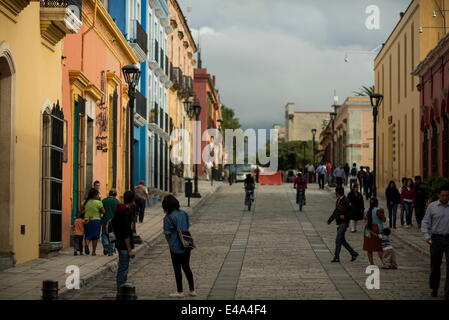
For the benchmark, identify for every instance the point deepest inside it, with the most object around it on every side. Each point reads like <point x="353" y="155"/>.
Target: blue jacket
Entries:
<point x="182" y="223"/>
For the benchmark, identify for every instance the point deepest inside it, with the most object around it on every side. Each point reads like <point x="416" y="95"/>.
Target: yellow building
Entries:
<point x="30" y="91"/>
<point x="398" y="134"/>
<point x="353" y="138"/>
<point x="182" y="49"/>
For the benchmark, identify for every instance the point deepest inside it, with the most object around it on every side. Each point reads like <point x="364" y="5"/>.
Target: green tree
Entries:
<point x="364" y="91"/>
<point x="230" y="121"/>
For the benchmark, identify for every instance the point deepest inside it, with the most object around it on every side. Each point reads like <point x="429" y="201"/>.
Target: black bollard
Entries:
<point x="127" y="292"/>
<point x="49" y="290"/>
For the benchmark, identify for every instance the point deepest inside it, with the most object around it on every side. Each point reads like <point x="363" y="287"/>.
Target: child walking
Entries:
<point x="78" y="234"/>
<point x="389" y="257"/>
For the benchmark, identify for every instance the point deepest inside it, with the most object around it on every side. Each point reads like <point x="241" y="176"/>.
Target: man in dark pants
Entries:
<point x="342" y="215"/>
<point x="420" y="200"/>
<point x="368" y="183"/>
<point x="435" y="227"/>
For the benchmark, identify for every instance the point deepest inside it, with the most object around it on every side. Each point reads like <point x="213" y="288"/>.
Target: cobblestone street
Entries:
<point x="271" y="252"/>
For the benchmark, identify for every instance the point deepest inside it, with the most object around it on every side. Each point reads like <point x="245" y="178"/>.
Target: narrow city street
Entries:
<point x="271" y="252"/>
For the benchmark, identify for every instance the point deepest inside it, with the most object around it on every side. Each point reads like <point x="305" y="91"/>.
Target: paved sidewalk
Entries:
<point x="411" y="237"/>
<point x="24" y="282"/>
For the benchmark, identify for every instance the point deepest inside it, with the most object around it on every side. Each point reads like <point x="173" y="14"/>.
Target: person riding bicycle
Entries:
<point x="300" y="184"/>
<point x="250" y="185"/>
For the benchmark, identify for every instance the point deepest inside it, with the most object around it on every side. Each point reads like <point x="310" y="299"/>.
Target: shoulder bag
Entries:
<point x="184" y="236"/>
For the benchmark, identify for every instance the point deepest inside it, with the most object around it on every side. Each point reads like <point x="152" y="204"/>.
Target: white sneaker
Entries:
<point x="177" y="295"/>
<point x="408" y="227"/>
<point x="192" y="293"/>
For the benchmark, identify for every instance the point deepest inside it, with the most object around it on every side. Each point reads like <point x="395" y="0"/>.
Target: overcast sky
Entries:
<point x="266" y="53"/>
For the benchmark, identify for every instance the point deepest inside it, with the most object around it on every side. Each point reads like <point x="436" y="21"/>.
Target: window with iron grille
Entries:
<point x="52" y="159"/>
<point x="434" y="149"/>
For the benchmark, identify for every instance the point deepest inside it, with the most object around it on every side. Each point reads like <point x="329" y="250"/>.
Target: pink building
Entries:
<point x="95" y="108"/>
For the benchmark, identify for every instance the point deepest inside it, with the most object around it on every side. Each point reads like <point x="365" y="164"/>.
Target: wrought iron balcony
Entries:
<point x="139" y="40"/>
<point x="140" y="117"/>
<point x="187" y="85"/>
<point x="176" y="77"/>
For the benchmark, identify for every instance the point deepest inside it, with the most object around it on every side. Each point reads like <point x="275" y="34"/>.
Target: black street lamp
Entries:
<point x="131" y="73"/>
<point x="333" y="116"/>
<point x="376" y="100"/>
<point x="313" y="146"/>
<point x="196" y="111"/>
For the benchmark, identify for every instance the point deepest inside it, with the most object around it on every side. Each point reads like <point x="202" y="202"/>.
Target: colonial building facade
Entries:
<point x="299" y="124"/>
<point x="32" y="144"/>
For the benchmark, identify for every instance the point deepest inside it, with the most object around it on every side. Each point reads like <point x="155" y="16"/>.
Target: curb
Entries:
<point x="139" y="251"/>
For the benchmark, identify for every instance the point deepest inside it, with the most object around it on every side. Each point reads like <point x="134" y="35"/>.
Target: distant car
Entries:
<point x="242" y="170"/>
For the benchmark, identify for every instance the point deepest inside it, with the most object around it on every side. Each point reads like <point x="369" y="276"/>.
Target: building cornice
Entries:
<point x="11" y="8"/>
<point x="113" y="78"/>
<point x="78" y="79"/>
<point x="94" y="92"/>
<point x="432" y="57"/>
<point x="111" y="27"/>
<point x="186" y="28"/>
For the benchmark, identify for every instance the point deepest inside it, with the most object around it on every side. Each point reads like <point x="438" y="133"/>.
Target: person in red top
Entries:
<point x="300" y="183"/>
<point x="407" y="201"/>
<point x="328" y="172"/>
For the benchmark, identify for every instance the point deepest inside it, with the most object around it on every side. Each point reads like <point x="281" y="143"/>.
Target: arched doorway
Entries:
<point x="7" y="71"/>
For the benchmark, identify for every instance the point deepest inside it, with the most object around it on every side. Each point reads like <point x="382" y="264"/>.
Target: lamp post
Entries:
<point x="333" y="115"/>
<point x="196" y="111"/>
<point x="313" y="145"/>
<point x="376" y="100"/>
<point x="304" y="146"/>
<point x="131" y="73"/>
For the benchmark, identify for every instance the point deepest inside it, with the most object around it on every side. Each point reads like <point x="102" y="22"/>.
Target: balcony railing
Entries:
<point x="139" y="40"/>
<point x="176" y="77"/>
<point x="141" y="105"/>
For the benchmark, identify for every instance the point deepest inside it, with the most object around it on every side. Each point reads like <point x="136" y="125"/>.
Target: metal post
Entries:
<point x="127" y="292"/>
<point x="131" y="136"/>
<point x="375" y="111"/>
<point x="49" y="290"/>
<point x="196" y="194"/>
<point x="313" y="150"/>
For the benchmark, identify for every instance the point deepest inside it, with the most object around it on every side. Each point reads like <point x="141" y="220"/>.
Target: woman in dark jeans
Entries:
<point x="393" y="198"/>
<point x="174" y="220"/>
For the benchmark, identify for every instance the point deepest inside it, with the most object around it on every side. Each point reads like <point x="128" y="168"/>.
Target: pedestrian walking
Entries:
<point x="346" y="169"/>
<point x="402" y="213"/>
<point x="388" y="254"/>
<point x="122" y="228"/>
<point x="368" y="183"/>
<point x="310" y="172"/>
<point x="357" y="204"/>
<point x="142" y="197"/>
<point x="342" y="215"/>
<point x="257" y="173"/>
<point x="407" y="201"/>
<point x="435" y="227"/>
<point x="420" y="200"/>
<point x="110" y="204"/>
<point x="374" y="218"/>
<point x="361" y="178"/>
<point x="78" y="234"/>
<point x="174" y="221"/>
<point x="321" y="172"/>
<point x="328" y="173"/>
<point x="353" y="175"/>
<point x="339" y="174"/>
<point x="93" y="211"/>
<point x="393" y="199"/>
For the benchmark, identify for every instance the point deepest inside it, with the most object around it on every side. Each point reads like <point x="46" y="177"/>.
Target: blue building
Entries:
<point x="146" y="26"/>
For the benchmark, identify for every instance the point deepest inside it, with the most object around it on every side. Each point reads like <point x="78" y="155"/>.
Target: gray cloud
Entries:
<point x="266" y="53"/>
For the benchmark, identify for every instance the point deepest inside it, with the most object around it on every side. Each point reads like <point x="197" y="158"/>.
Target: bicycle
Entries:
<point x="300" y="197"/>
<point x="249" y="198"/>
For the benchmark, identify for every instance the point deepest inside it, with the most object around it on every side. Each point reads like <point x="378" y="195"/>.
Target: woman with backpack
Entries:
<point x="175" y="220"/>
